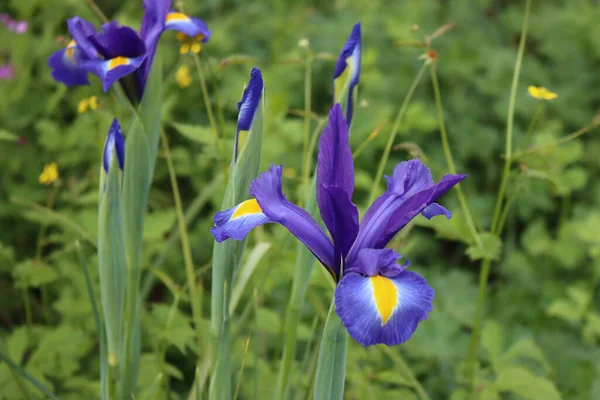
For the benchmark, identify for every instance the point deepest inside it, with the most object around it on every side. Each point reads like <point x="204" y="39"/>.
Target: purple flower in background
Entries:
<point x="377" y="299"/>
<point x="117" y="51"/>
<point x="7" y="72"/>
<point x="18" y="27"/>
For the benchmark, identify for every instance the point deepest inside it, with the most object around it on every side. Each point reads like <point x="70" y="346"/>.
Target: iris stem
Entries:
<point x="207" y="103"/>
<point x="307" y="114"/>
<point x="471" y="362"/>
<point x="392" y="137"/>
<point x="464" y="205"/>
<point x="185" y="244"/>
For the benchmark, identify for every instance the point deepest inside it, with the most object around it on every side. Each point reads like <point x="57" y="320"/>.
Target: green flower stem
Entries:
<point x="195" y="297"/>
<point x="560" y="141"/>
<point x="471" y="362"/>
<point x="307" y="115"/>
<point x="392" y="137"/>
<point x="464" y="205"/>
<point x="207" y="104"/>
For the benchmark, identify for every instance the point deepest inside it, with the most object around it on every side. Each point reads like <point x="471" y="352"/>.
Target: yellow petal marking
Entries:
<point x="176" y="16"/>
<point x="386" y="297"/>
<point x="247" y="207"/>
<point x="117" y="61"/>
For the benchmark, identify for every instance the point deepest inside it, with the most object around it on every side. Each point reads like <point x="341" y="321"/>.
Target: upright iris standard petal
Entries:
<point x="410" y="191"/>
<point x="238" y="221"/>
<point x="248" y="106"/>
<point x="347" y="70"/>
<point x="81" y="31"/>
<point x="153" y="24"/>
<point x="67" y="66"/>
<point x="379" y="302"/>
<point x="335" y="184"/>
<point x="191" y="26"/>
<point x="114" y="142"/>
<point x="267" y="191"/>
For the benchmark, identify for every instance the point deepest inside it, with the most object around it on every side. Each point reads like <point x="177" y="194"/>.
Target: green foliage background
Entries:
<point x="542" y="325"/>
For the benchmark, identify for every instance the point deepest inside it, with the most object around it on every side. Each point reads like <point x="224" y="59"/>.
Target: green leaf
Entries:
<point x="565" y="310"/>
<point x="525" y="348"/>
<point x="33" y="273"/>
<point x="393" y="378"/>
<point x="331" y="363"/>
<point x="246" y="272"/>
<point x="111" y="260"/>
<point x="522" y="382"/>
<point x="489" y="249"/>
<point x="491" y="340"/>
<point x="172" y="326"/>
<point x="489" y="393"/>
<point x="6" y="135"/>
<point x="197" y="133"/>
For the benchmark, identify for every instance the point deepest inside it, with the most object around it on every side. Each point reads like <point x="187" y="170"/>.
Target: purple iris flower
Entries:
<point x="117" y="51"/>
<point x="347" y="70"/>
<point x="377" y="299"/>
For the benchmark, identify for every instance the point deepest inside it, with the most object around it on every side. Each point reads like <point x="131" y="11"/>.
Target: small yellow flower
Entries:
<point x="541" y="93"/>
<point x="183" y="76"/>
<point x="49" y="174"/>
<point x="87" y="104"/>
<point x="83" y="106"/>
<point x="93" y="102"/>
<point x="190" y="43"/>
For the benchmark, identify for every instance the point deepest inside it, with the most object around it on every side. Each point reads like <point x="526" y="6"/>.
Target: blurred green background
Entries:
<point x="542" y="307"/>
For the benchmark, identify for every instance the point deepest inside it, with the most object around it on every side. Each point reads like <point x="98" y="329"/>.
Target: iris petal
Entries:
<point x="347" y="70"/>
<point x="81" y="31"/>
<point x="267" y="191"/>
<point x="191" y="26"/>
<point x="66" y="66"/>
<point x="238" y="221"/>
<point x="335" y="183"/>
<point x="382" y="308"/>
<point x="153" y="24"/>
<point x="434" y="209"/>
<point x="410" y="190"/>
<point x="113" y="69"/>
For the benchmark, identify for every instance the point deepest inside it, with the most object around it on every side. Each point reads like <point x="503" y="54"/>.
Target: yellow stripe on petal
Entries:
<point x="117" y="62"/>
<point x="386" y="296"/>
<point x="176" y="16"/>
<point x="246" y="208"/>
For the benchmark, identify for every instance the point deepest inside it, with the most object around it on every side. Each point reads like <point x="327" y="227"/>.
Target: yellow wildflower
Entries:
<point x="87" y="104"/>
<point x="541" y="93"/>
<point x="183" y="76"/>
<point x="49" y="174"/>
<point x="190" y="43"/>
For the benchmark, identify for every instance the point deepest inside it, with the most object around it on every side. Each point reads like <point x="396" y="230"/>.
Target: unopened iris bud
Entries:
<point x="114" y="143"/>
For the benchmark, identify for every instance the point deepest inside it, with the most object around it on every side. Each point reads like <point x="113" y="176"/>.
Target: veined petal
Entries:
<point x="347" y="70"/>
<point x="248" y="106"/>
<point x="191" y="26"/>
<point x="236" y="222"/>
<point x="379" y="302"/>
<point x="410" y="190"/>
<point x="267" y="191"/>
<point x="335" y="183"/>
<point x="66" y="66"/>
<point x="81" y="31"/>
<point x="114" y="141"/>
<point x="380" y="309"/>
<point x="113" y="69"/>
